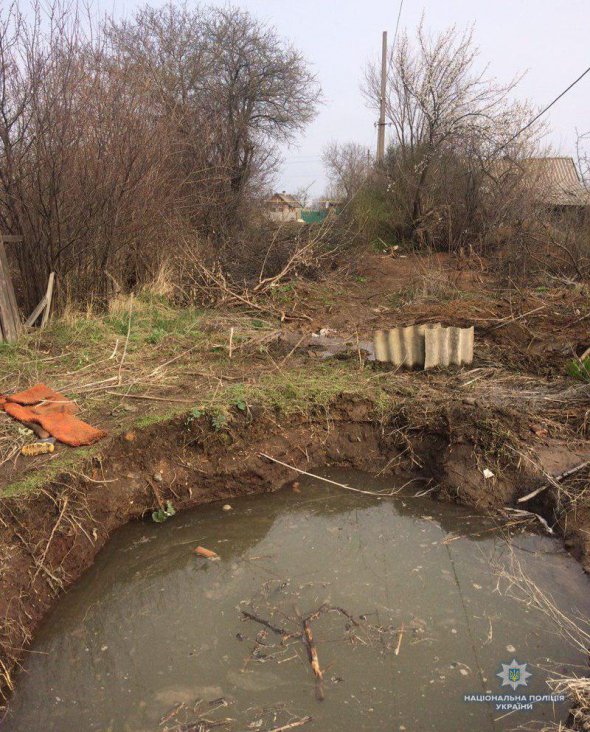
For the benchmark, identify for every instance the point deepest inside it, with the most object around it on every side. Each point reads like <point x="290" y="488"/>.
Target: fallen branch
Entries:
<point x="266" y="623"/>
<point x="313" y="659"/>
<point x="561" y="476"/>
<point x="336" y="483"/>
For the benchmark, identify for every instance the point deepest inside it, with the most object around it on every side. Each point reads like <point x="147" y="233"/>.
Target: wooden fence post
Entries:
<point x="10" y="325"/>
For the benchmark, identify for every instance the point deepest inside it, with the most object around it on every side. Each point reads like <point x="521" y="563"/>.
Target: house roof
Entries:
<point x="555" y="181"/>
<point x="285" y="198"/>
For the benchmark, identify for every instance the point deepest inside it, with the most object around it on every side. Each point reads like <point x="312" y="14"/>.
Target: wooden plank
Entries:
<point x="48" y="298"/>
<point x="36" y="312"/>
<point x="8" y="307"/>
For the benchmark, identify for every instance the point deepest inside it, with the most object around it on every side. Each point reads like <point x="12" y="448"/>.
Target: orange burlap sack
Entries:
<point x="54" y="412"/>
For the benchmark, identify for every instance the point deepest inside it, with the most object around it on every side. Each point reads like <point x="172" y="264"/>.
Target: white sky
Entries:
<point x="549" y="39"/>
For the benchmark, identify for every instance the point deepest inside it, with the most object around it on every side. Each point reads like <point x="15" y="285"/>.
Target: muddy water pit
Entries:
<point x="154" y="637"/>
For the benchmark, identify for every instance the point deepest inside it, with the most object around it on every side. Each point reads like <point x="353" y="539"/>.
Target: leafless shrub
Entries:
<point x="450" y="125"/>
<point x="118" y="138"/>
<point x="283" y="254"/>
<point x="348" y="166"/>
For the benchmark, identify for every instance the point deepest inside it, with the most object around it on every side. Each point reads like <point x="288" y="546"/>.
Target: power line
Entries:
<point x="399" y="15"/>
<point x="543" y="111"/>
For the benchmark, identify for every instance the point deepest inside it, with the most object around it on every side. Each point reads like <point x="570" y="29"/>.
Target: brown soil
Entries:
<point x="520" y="416"/>
<point x="386" y="291"/>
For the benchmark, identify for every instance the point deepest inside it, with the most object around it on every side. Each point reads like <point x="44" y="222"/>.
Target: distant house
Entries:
<point x="331" y="204"/>
<point x="283" y="207"/>
<point x="553" y="182"/>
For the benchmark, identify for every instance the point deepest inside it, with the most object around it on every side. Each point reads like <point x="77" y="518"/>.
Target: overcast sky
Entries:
<point x="546" y="38"/>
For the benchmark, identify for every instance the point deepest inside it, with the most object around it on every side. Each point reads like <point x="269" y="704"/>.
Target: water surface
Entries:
<point x="152" y="625"/>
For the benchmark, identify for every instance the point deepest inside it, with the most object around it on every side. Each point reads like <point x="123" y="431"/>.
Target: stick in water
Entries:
<point x="314" y="660"/>
<point x="292" y="725"/>
<point x="400" y="635"/>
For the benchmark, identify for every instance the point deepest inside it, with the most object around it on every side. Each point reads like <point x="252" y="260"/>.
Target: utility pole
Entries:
<point x="381" y="124"/>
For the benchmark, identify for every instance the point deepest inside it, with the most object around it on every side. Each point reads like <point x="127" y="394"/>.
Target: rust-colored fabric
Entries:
<point x="54" y="412"/>
<point x="39" y="393"/>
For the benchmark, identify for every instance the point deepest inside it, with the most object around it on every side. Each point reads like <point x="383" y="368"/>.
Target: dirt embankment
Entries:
<point x="50" y="537"/>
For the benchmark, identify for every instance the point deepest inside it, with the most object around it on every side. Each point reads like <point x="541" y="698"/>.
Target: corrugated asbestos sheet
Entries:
<point x="424" y="346"/>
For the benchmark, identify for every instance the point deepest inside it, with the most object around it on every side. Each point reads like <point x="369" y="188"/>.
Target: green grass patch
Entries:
<point x="62" y="463"/>
<point x="579" y="369"/>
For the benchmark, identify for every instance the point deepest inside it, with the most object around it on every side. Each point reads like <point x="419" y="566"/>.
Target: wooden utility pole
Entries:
<point x="381" y="124"/>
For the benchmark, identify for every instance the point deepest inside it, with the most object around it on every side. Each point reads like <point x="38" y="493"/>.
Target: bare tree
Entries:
<point x="231" y="82"/>
<point x="347" y="166"/>
<point x="449" y="124"/>
<point x="116" y="140"/>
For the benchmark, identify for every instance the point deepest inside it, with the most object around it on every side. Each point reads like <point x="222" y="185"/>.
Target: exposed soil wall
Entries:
<point x="50" y="538"/>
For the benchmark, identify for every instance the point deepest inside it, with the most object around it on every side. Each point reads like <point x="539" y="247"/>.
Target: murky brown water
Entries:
<point x="152" y="625"/>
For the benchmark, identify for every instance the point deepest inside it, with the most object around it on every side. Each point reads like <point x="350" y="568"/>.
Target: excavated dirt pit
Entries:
<point x="409" y="606"/>
<point x="52" y="537"/>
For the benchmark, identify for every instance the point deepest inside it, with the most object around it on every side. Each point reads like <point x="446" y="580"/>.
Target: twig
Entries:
<point x="520" y="512"/>
<point x="313" y="659"/>
<point x="167" y="363"/>
<point x="399" y="639"/>
<point x="571" y="471"/>
<point x="151" y="398"/>
<point x="231" y="342"/>
<point x="532" y="494"/>
<point x="126" y="339"/>
<point x="266" y="623"/>
<point x="561" y="476"/>
<point x="334" y="482"/>
<point x="295" y="347"/>
<point x="48" y="299"/>
<point x="57" y="523"/>
<point x="510" y="319"/>
<point x="292" y="725"/>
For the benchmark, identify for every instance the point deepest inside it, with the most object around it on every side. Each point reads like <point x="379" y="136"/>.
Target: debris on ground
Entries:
<point x="207" y="553"/>
<point x="424" y="346"/>
<point x="195" y="717"/>
<point x="53" y="412"/>
<point x="275" y="608"/>
<point x="37" y="448"/>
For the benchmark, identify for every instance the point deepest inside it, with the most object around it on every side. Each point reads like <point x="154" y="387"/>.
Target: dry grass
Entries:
<point x="142" y="347"/>
<point x="575" y="630"/>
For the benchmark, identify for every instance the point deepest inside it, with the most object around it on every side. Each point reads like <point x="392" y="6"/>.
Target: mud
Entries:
<point x="408" y="617"/>
<point x="50" y="538"/>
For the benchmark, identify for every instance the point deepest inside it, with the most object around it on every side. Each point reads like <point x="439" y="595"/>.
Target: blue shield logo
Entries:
<point x="514" y="674"/>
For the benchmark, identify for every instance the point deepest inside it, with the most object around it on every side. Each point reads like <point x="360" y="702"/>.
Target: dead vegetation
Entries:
<point x="575" y="630"/>
<point x="121" y="139"/>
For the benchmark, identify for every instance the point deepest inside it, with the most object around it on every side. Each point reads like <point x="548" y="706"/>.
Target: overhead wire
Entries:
<point x="544" y="110"/>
